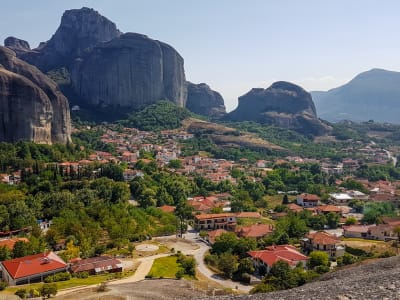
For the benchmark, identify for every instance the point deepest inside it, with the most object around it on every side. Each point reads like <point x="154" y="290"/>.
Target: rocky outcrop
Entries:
<point x="202" y="100"/>
<point x="80" y="30"/>
<point x="372" y="280"/>
<point x="31" y="105"/>
<point x="108" y="68"/>
<point x="130" y="71"/>
<point x="18" y="46"/>
<point x="283" y="104"/>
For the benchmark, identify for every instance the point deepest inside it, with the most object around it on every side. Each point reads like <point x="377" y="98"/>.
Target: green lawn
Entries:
<point x="73" y="282"/>
<point x="165" y="267"/>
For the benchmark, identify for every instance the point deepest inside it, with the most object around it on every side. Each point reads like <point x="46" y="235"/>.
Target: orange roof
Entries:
<point x="255" y="231"/>
<point x="9" y="243"/>
<point x="33" y="264"/>
<point x="294" y="207"/>
<point x="212" y="235"/>
<point x="272" y="254"/>
<point x="248" y="214"/>
<point x="309" y="197"/>
<point x="213" y="216"/>
<point x="167" y="208"/>
<point x="329" y="208"/>
<point x="323" y="238"/>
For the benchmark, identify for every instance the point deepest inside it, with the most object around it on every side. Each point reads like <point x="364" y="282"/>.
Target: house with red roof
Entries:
<point x="97" y="265"/>
<point x="215" y="221"/>
<point x="307" y="200"/>
<point x="32" y="268"/>
<point x="213" y="234"/>
<point x="323" y="241"/>
<point x="256" y="231"/>
<point x="266" y="258"/>
<point x="10" y="242"/>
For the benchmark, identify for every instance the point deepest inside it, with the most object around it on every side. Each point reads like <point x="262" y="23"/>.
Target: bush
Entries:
<point x="82" y="275"/>
<point x="64" y="276"/>
<point x="211" y="260"/>
<point x="3" y="285"/>
<point x="321" y="269"/>
<point x="21" y="293"/>
<point x="179" y="274"/>
<point x="358" y="252"/>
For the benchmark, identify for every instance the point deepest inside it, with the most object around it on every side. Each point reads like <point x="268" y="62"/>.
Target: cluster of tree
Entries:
<point x="26" y="154"/>
<point x="159" y="116"/>
<point x="45" y="291"/>
<point x="378" y="172"/>
<point x="373" y="212"/>
<point x="187" y="265"/>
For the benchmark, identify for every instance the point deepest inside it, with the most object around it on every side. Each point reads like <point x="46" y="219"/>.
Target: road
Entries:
<point x="202" y="268"/>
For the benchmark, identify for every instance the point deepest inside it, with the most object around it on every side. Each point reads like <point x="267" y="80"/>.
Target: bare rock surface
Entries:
<point x="283" y="104"/>
<point x="202" y="100"/>
<point x="31" y="105"/>
<point x="373" y="280"/>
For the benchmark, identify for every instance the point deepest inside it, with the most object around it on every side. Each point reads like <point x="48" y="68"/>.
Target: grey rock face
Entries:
<point x="31" y="106"/>
<point x="130" y="71"/>
<point x="80" y="30"/>
<point x="17" y="45"/>
<point x="283" y="104"/>
<point x="203" y="100"/>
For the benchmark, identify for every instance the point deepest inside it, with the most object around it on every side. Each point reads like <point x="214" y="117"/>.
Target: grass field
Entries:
<point x="72" y="283"/>
<point x="164" y="267"/>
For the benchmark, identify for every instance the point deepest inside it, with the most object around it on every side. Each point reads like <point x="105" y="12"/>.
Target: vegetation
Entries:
<point x="174" y="266"/>
<point x="160" y="116"/>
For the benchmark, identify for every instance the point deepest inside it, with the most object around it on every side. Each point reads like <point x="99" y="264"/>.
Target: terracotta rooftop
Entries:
<point x="213" y="216"/>
<point x="323" y="238"/>
<point x="248" y="214"/>
<point x="255" y="231"/>
<point x="33" y="264"/>
<point x="167" y="208"/>
<point x="272" y="254"/>
<point x="309" y="197"/>
<point x="100" y="263"/>
<point x="9" y="243"/>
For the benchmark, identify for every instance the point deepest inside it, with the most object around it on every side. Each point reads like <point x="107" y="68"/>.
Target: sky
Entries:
<point x="236" y="45"/>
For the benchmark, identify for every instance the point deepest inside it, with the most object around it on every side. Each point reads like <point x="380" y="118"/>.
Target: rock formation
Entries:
<point x="17" y="45"/>
<point x="130" y="71"/>
<point x="108" y="68"/>
<point x="31" y="105"/>
<point x="80" y="30"/>
<point x="202" y="100"/>
<point x="283" y="104"/>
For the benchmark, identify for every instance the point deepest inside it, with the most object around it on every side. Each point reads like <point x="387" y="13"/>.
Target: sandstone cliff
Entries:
<point x="283" y="104"/>
<point x="202" y="100"/>
<point x="31" y="105"/>
<point x="108" y="68"/>
<point x="80" y="30"/>
<point x="130" y="71"/>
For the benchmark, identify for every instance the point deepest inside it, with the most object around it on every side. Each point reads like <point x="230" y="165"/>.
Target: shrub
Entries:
<point x="179" y="274"/>
<point x="21" y="293"/>
<point x="211" y="260"/>
<point x="321" y="269"/>
<point x="82" y="275"/>
<point x="3" y="285"/>
<point x="64" y="276"/>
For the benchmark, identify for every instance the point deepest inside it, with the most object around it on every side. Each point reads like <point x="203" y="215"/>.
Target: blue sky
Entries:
<point x="236" y="45"/>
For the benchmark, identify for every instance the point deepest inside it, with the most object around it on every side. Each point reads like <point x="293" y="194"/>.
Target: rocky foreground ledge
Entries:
<point x="379" y="279"/>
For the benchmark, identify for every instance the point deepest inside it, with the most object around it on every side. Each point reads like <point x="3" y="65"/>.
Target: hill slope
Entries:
<point x="374" y="94"/>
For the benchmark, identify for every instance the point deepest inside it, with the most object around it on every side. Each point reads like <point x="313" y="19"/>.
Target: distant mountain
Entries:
<point x="372" y="95"/>
<point x="284" y="105"/>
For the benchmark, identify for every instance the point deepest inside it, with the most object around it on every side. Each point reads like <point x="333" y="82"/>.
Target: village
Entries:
<point x="214" y="216"/>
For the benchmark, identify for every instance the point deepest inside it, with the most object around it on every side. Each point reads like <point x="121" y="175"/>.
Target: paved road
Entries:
<point x="202" y="268"/>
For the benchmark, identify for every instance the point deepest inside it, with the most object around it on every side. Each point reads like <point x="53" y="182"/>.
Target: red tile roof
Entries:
<point x="272" y="254"/>
<point x="212" y="235"/>
<point x="98" y="264"/>
<point x="167" y="208"/>
<point x="255" y="231"/>
<point x="248" y="214"/>
<point x="294" y="207"/>
<point x="329" y="208"/>
<point x="9" y="243"/>
<point x="309" y="197"/>
<point x="323" y="238"/>
<point x="33" y="264"/>
<point x="213" y="216"/>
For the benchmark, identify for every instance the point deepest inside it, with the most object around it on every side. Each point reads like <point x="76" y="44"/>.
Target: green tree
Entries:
<point x="20" y="249"/>
<point x="227" y="263"/>
<point x="48" y="289"/>
<point x="333" y="220"/>
<point x="318" y="258"/>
